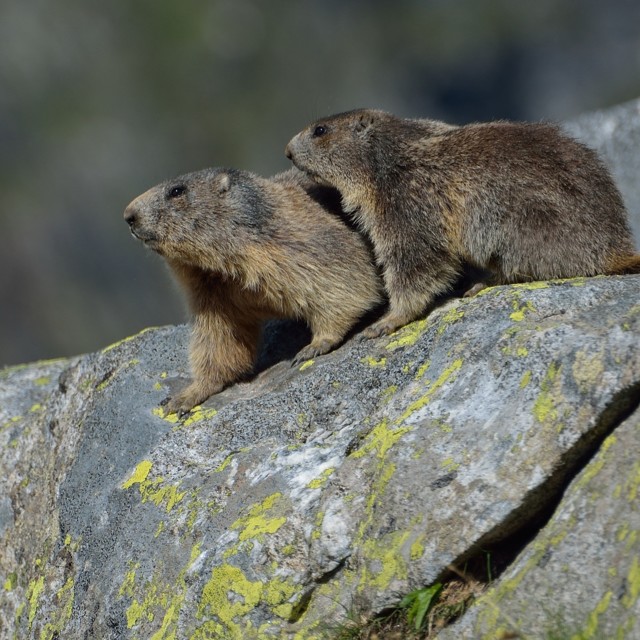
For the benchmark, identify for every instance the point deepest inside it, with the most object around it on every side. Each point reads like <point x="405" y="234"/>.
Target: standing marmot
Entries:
<point x="522" y="200"/>
<point x="245" y="249"/>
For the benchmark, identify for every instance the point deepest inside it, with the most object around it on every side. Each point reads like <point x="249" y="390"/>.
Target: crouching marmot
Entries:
<point x="521" y="200"/>
<point x="246" y="249"/>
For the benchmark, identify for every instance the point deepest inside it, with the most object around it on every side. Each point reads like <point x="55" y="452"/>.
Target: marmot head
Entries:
<point x="339" y="151"/>
<point x="208" y="214"/>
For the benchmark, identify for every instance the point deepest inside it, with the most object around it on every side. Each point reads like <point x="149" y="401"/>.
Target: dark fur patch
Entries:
<point x="253" y="208"/>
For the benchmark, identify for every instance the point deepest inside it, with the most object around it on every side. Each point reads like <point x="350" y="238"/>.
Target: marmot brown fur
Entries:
<point x="246" y="249"/>
<point x="521" y="200"/>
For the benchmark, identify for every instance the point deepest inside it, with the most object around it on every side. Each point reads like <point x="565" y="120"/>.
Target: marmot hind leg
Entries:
<point x="411" y="298"/>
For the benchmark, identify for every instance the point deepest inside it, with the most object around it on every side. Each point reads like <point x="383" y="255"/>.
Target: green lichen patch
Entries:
<point x="388" y="393"/>
<point x="588" y="369"/>
<point x="449" y="464"/>
<point x="305" y="365"/>
<point x="115" y="345"/>
<point x="71" y="544"/>
<point x="198" y="414"/>
<point x="630" y="598"/>
<point x="10" y="422"/>
<point x="432" y="389"/>
<point x="591" y="627"/>
<point x="422" y="369"/>
<point x="629" y="320"/>
<point x="450" y="317"/>
<point x="531" y="286"/>
<point x="317" y="525"/>
<point x="156" y="603"/>
<point x="526" y="379"/>
<point x="11" y="581"/>
<point x="229" y="597"/>
<point x="545" y="409"/>
<point x="519" y="311"/>
<point x="225" y="463"/>
<point x="373" y="362"/>
<point x="34" y="590"/>
<point x="381" y="439"/>
<point x="631" y="484"/>
<point x="61" y="614"/>
<point x="408" y="335"/>
<point x="416" y="551"/>
<point x="597" y="463"/>
<point x="154" y="490"/>
<point x="126" y="589"/>
<point x="322" y="479"/>
<point x="139" y="475"/>
<point x="257" y="523"/>
<point x="172" y="418"/>
<point x="519" y="351"/>
<point x="384" y="560"/>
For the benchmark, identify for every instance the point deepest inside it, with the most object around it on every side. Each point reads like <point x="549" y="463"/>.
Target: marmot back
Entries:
<point x="521" y="200"/>
<point x="246" y="249"/>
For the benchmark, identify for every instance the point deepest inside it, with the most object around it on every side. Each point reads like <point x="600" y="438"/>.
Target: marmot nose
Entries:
<point x="287" y="152"/>
<point x="130" y="215"/>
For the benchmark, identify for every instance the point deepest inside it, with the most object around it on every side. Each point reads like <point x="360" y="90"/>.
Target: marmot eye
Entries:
<point x="320" y="130"/>
<point x="177" y="191"/>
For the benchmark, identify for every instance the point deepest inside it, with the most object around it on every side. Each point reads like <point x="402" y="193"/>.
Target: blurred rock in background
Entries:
<point x="100" y="102"/>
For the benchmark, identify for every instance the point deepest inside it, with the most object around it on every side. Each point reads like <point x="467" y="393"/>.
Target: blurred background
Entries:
<point x="100" y="101"/>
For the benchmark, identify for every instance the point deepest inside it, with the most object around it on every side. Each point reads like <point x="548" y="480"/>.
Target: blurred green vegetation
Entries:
<point x="99" y="101"/>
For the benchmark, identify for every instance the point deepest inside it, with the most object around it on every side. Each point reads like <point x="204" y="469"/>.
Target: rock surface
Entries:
<point x="580" y="577"/>
<point x="615" y="134"/>
<point x="288" y="502"/>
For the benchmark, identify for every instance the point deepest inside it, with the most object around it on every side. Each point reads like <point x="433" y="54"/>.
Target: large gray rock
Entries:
<point x="580" y="577"/>
<point x="283" y="501"/>
<point x="615" y="134"/>
<point x="289" y="501"/>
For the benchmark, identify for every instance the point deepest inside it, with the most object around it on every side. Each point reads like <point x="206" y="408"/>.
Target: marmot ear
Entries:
<point x="223" y="182"/>
<point x="364" y="121"/>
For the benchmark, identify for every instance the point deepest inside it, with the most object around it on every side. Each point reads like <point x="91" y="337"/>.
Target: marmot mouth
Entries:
<point x="143" y="236"/>
<point x="300" y="166"/>
<point x="308" y="172"/>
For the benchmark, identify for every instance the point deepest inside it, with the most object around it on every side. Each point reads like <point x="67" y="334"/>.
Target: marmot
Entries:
<point x="245" y="249"/>
<point x="522" y="200"/>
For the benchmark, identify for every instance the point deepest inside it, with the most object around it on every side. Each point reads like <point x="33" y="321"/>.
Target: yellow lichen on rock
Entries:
<point x="229" y="596"/>
<point x="408" y="335"/>
<point x="153" y="490"/>
<point x="256" y="523"/>
<point x="305" y="365"/>
<point x="115" y="345"/>
<point x="545" y="408"/>
<point x="588" y="369"/>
